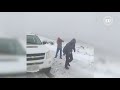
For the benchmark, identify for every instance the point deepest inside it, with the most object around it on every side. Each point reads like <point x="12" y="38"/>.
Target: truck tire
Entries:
<point x="47" y="70"/>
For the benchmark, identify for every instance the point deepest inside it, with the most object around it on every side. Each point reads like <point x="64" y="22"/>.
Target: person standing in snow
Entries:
<point x="67" y="50"/>
<point x="59" y="47"/>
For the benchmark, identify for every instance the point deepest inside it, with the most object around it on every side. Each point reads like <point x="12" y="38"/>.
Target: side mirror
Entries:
<point x="41" y="42"/>
<point x="44" y="42"/>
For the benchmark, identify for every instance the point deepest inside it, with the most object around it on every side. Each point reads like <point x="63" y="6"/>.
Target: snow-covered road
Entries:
<point x="84" y="65"/>
<point x="80" y="67"/>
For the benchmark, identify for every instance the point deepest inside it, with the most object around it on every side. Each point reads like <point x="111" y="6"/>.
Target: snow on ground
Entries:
<point x="76" y="70"/>
<point x="85" y="61"/>
<point x="81" y="66"/>
<point x="84" y="65"/>
<point x="106" y="67"/>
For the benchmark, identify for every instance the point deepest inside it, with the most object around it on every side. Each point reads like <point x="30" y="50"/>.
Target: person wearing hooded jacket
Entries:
<point x="67" y="50"/>
<point x="59" y="47"/>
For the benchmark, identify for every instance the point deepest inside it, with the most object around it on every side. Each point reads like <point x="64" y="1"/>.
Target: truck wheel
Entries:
<point x="47" y="70"/>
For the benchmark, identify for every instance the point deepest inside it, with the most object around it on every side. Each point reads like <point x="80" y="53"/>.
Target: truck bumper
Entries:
<point x="45" y="63"/>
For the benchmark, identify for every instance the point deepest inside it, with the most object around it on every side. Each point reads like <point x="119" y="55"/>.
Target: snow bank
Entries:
<point x="106" y="66"/>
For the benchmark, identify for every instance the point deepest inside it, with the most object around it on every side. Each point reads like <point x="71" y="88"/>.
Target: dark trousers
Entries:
<point x="69" y="58"/>
<point x="59" y="49"/>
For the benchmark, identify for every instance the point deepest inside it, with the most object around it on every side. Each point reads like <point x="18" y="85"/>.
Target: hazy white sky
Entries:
<point x="54" y="24"/>
<point x="50" y="24"/>
<point x="84" y="26"/>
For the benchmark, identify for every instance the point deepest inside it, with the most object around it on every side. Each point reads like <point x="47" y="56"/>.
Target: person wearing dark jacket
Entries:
<point x="59" y="47"/>
<point x="67" y="50"/>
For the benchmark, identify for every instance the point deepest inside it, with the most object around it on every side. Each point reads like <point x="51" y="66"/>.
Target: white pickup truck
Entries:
<point x="38" y="55"/>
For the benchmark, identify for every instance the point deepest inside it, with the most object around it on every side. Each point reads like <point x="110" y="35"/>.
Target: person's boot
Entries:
<point x="68" y="64"/>
<point x="60" y="57"/>
<point x="55" y="57"/>
<point x="66" y="67"/>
